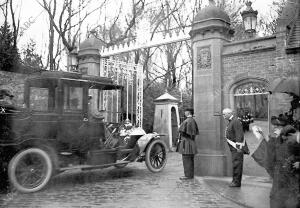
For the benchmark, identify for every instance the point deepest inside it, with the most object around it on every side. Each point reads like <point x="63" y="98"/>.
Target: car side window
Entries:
<point x="73" y="98"/>
<point x="39" y="99"/>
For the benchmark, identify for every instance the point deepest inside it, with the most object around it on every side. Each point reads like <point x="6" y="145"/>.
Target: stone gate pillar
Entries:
<point x="89" y="56"/>
<point x="210" y="30"/>
<point x="89" y="62"/>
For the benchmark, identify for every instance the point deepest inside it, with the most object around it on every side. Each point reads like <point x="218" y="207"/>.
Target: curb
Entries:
<point x="225" y="196"/>
<point x="260" y="185"/>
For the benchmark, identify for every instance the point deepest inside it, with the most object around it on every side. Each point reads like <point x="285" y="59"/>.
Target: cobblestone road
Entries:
<point x="132" y="186"/>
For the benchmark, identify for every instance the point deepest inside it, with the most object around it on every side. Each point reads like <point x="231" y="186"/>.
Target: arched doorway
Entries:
<point x="251" y="96"/>
<point x="174" y="124"/>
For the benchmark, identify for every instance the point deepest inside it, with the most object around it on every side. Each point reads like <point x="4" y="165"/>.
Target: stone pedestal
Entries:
<point x="211" y="164"/>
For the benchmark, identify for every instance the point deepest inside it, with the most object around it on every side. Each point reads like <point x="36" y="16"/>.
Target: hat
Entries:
<point x="191" y="110"/>
<point x="4" y="93"/>
<point x="281" y="120"/>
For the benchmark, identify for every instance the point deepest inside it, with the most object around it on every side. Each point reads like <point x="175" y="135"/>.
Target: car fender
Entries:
<point x="29" y="141"/>
<point x="145" y="140"/>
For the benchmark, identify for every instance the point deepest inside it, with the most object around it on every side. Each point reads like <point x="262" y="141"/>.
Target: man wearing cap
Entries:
<point x="235" y="139"/>
<point x="187" y="147"/>
<point x="6" y="99"/>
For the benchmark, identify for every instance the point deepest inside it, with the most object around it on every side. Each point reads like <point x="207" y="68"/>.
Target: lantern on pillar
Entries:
<point x="249" y="19"/>
<point x="73" y="61"/>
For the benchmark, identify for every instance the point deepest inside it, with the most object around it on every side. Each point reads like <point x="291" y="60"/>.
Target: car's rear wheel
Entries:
<point x="156" y="156"/>
<point x="30" y="170"/>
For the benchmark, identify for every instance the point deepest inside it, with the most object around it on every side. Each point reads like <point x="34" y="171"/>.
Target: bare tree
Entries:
<point x="15" y="22"/>
<point x="8" y="9"/>
<point x="115" y="33"/>
<point x="268" y="24"/>
<point x="3" y="7"/>
<point x="167" y="20"/>
<point x="63" y="24"/>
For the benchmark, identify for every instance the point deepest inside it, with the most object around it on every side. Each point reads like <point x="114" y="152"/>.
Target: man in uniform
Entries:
<point x="237" y="145"/>
<point x="187" y="147"/>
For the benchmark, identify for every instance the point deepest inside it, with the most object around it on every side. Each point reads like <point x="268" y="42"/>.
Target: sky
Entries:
<point x="34" y="21"/>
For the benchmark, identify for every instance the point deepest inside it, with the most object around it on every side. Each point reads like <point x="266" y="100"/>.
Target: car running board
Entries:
<point x="90" y="167"/>
<point x="124" y="150"/>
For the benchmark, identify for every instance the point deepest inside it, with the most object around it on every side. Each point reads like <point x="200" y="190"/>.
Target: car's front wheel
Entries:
<point x="156" y="156"/>
<point x="30" y="170"/>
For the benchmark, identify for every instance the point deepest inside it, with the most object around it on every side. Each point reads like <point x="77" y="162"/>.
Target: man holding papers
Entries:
<point x="237" y="144"/>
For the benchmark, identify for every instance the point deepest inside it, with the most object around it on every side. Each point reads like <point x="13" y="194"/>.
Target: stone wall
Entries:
<point x="15" y="83"/>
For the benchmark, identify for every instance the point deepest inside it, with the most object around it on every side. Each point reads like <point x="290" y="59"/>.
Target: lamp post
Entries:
<point x="249" y="19"/>
<point x="73" y="61"/>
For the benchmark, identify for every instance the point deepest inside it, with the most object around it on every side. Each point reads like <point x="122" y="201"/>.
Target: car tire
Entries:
<point x="30" y="170"/>
<point x="156" y="156"/>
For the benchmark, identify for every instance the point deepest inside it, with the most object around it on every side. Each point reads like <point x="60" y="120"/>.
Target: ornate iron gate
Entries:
<point x="131" y="76"/>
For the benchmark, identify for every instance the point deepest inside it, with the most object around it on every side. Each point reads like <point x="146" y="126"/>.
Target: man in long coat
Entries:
<point x="187" y="147"/>
<point x="237" y="145"/>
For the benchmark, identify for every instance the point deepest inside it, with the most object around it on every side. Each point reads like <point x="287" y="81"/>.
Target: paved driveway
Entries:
<point x="132" y="186"/>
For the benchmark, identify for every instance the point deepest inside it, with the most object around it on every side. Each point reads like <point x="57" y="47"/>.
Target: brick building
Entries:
<point x="236" y="74"/>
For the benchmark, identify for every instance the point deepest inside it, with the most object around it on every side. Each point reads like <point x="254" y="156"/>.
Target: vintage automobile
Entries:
<point x="54" y="132"/>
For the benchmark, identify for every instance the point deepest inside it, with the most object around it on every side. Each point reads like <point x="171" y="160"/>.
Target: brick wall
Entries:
<point x="258" y="64"/>
<point x="262" y="58"/>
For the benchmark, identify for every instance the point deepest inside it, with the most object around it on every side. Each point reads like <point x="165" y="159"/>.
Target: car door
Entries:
<point x="73" y="124"/>
<point x="41" y="101"/>
<point x="96" y="116"/>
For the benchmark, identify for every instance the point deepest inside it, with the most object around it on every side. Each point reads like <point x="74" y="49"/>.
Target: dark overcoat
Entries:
<point x="282" y="152"/>
<point x="188" y="131"/>
<point x="235" y="133"/>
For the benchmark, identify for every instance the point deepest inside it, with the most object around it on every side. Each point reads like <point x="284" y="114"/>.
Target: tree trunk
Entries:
<point x="51" y="45"/>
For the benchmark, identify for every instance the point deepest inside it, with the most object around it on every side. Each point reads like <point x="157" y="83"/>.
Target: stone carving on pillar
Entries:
<point x="203" y="58"/>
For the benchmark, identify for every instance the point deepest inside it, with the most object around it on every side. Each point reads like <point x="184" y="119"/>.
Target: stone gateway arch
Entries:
<point x="223" y="69"/>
